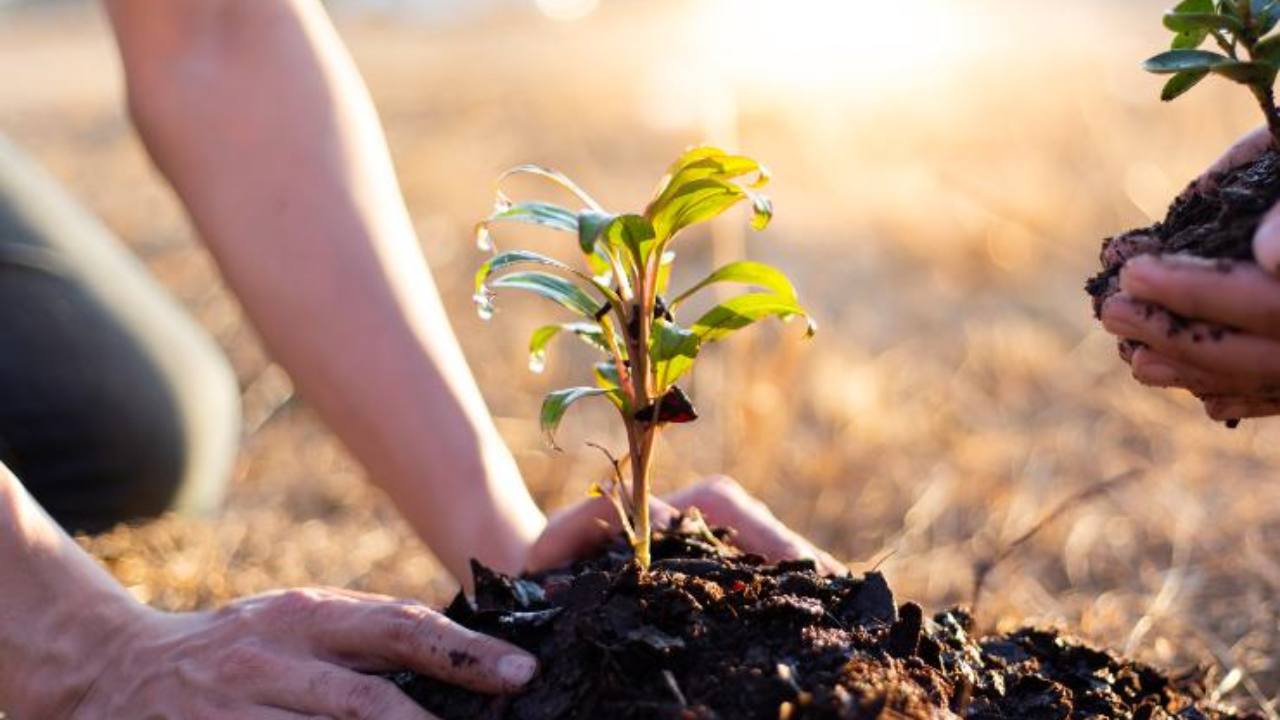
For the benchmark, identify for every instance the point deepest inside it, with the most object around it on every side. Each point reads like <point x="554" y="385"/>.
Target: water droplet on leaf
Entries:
<point x="537" y="361"/>
<point x="484" y="304"/>
<point x="484" y="240"/>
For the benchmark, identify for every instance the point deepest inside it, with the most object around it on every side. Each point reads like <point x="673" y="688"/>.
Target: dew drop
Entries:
<point x="538" y="361"/>
<point x="484" y="239"/>
<point x="501" y="204"/>
<point x="484" y="304"/>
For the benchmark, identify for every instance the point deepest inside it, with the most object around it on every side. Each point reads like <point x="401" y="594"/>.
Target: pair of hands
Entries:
<point x="305" y="653"/>
<point x="1229" y="355"/>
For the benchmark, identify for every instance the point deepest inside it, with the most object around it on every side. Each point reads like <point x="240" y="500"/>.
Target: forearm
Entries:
<point x="255" y="113"/>
<point x="58" y="609"/>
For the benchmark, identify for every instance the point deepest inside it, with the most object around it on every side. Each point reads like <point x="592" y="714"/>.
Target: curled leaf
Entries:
<point x="746" y="272"/>
<point x="537" y="213"/>
<point x="553" y="288"/>
<point x="589" y="332"/>
<point x="554" y="406"/>
<point x="743" y="310"/>
<point x="556" y="177"/>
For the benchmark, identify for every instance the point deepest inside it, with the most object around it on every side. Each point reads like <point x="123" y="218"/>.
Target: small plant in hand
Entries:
<point x="1246" y="53"/>
<point x="1216" y="217"/>
<point x="622" y="306"/>
<point x="697" y="629"/>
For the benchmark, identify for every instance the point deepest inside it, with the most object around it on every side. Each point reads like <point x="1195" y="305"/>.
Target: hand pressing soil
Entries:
<point x="712" y="633"/>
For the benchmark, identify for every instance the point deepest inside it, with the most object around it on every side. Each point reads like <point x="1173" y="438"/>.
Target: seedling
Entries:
<point x="1240" y="30"/>
<point x="620" y="302"/>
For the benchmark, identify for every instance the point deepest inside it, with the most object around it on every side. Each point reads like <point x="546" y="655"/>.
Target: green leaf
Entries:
<point x="514" y="257"/>
<point x="538" y="213"/>
<point x="518" y="257"/>
<point x="1268" y="51"/>
<point x="633" y="233"/>
<point x="589" y="332"/>
<point x="694" y="202"/>
<point x="556" y="403"/>
<point x="1247" y="73"/>
<point x="664" y="271"/>
<point x="1189" y="40"/>
<point x="739" y="312"/>
<point x="746" y="272"/>
<point x="1265" y="19"/>
<point x="553" y="288"/>
<point x="670" y="342"/>
<point x="703" y="162"/>
<point x="1194" y="6"/>
<point x="735" y="314"/>
<point x="1185" y="22"/>
<point x="556" y="177"/>
<point x="607" y="379"/>
<point x="1182" y="82"/>
<point x="590" y="224"/>
<point x="1175" y="61"/>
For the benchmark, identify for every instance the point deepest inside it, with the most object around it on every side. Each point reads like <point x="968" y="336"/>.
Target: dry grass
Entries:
<point x="941" y="229"/>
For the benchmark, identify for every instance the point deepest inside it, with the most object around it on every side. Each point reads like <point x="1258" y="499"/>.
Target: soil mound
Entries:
<point x="712" y="633"/>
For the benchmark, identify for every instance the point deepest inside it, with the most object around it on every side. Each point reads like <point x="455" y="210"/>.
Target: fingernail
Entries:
<point x="517" y="669"/>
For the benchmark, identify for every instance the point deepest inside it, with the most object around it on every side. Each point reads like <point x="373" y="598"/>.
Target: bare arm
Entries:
<point x="256" y="114"/>
<point x="74" y="644"/>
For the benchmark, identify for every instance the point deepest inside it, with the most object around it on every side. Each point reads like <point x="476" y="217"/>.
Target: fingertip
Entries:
<point x="1266" y="244"/>
<point x="516" y="669"/>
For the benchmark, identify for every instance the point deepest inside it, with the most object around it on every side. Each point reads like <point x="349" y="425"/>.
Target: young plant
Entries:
<point x="1240" y="30"/>
<point x="621" y="303"/>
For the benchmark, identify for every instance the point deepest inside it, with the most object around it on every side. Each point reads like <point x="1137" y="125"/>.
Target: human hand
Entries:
<point x="291" y="654"/>
<point x="579" y="529"/>
<point x="1229" y="352"/>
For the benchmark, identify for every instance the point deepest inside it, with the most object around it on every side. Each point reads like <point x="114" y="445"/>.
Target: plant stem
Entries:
<point x="1267" y="99"/>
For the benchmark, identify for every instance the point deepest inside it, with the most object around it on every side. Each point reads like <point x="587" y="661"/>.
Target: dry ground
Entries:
<point x="939" y="215"/>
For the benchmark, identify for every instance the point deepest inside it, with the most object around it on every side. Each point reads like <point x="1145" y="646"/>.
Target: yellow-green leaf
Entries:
<point x="746" y="272"/>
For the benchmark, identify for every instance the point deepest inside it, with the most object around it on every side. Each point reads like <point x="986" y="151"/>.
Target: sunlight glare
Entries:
<point x="817" y="44"/>
<point x="567" y="10"/>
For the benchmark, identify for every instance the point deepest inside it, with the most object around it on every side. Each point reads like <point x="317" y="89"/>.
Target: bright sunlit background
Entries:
<point x="944" y="174"/>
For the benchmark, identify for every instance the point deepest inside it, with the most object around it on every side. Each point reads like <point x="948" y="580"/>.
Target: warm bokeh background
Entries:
<point x="944" y="174"/>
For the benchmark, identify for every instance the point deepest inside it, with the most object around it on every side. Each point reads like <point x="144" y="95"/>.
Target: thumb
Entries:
<point x="1266" y="242"/>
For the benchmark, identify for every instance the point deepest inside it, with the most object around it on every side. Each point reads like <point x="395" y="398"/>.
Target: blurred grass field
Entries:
<point x="943" y="179"/>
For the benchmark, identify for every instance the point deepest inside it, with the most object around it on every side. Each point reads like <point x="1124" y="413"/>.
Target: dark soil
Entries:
<point x="712" y="633"/>
<point x="1217" y="224"/>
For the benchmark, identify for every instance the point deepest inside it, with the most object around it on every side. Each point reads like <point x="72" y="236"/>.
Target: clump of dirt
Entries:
<point x="712" y="633"/>
<point x="1218" y="223"/>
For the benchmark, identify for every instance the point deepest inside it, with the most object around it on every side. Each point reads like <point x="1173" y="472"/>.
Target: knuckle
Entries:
<point x="363" y="699"/>
<point x="294" y="605"/>
<point x="414" y="631"/>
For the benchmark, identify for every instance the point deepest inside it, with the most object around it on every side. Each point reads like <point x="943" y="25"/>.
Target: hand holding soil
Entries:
<point x="586" y="527"/>
<point x="293" y="653"/>
<point x="1192" y="306"/>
